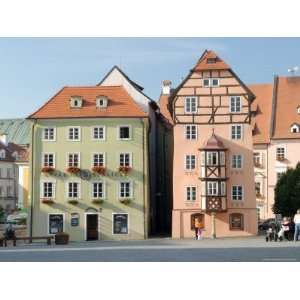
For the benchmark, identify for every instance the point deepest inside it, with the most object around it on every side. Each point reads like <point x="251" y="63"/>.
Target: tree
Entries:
<point x="287" y="193"/>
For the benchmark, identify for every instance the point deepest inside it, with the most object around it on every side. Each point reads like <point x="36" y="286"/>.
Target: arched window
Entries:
<point x="295" y="128"/>
<point x="199" y="218"/>
<point x="236" y="221"/>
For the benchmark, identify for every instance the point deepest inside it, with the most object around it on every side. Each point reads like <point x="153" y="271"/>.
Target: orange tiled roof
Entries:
<point x="288" y="100"/>
<point x="262" y="105"/>
<point x="164" y="110"/>
<point x="204" y="62"/>
<point x="120" y="104"/>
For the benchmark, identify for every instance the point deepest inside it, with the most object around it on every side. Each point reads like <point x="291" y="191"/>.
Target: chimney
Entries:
<point x="3" y="139"/>
<point x="166" y="87"/>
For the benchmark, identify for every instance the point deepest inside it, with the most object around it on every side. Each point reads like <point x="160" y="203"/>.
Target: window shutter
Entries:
<point x="223" y="188"/>
<point x="222" y="157"/>
<point x="203" y="191"/>
<point x="202" y="158"/>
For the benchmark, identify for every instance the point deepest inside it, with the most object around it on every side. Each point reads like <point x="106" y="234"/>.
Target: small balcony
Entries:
<point x="214" y="203"/>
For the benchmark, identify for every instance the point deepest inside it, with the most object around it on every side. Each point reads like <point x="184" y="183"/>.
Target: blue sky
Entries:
<point x="34" y="69"/>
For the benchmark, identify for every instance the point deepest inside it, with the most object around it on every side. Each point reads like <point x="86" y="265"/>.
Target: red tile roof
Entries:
<point x="208" y="56"/>
<point x="120" y="104"/>
<point x="164" y="109"/>
<point x="262" y="105"/>
<point x="288" y="100"/>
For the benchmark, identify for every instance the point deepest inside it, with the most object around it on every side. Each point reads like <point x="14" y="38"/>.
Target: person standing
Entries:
<point x="297" y="225"/>
<point x="197" y="226"/>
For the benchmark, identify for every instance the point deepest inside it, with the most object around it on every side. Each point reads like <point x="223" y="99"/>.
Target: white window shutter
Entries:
<point x="222" y="157"/>
<point x="202" y="158"/>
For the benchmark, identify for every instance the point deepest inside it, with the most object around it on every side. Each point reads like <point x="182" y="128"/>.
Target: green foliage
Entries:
<point x="2" y="213"/>
<point x="287" y="193"/>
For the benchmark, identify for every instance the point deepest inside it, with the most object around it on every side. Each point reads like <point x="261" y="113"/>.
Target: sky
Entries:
<point x="34" y="69"/>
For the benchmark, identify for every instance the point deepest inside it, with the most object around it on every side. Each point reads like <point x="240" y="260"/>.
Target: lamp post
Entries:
<point x="213" y="225"/>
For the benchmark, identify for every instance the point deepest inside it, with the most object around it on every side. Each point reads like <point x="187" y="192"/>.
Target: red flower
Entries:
<point x="124" y="169"/>
<point x="48" y="170"/>
<point x="99" y="170"/>
<point x="73" y="170"/>
<point x="47" y="200"/>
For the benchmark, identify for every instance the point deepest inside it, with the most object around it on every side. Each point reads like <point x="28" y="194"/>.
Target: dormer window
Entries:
<point x="298" y="110"/>
<point x="295" y="128"/>
<point x="101" y="102"/>
<point x="2" y="153"/>
<point x="76" y="102"/>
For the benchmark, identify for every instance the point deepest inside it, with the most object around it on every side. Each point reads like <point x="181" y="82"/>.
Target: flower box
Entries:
<point x="125" y="201"/>
<point x="99" y="170"/>
<point x="47" y="200"/>
<point x="124" y="169"/>
<point x="257" y="165"/>
<point x="97" y="201"/>
<point x="61" y="238"/>
<point x="279" y="158"/>
<point x="48" y="170"/>
<point x="73" y="170"/>
<point x="73" y="201"/>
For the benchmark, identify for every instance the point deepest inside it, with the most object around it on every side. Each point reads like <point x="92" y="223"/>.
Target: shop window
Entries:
<point x="120" y="223"/>
<point x="55" y="223"/>
<point x="236" y="221"/>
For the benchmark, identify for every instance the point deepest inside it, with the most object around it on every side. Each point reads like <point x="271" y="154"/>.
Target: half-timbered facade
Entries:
<point x="213" y="166"/>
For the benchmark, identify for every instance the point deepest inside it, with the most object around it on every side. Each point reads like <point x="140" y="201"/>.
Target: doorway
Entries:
<point x="92" y="233"/>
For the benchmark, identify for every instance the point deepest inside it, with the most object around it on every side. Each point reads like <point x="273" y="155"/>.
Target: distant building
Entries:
<point x="276" y="136"/>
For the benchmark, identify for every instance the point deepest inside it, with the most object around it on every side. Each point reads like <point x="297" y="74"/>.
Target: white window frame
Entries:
<point x="191" y="135"/>
<point x="43" y="159"/>
<point x="189" y="168"/>
<point x="79" y="190"/>
<point x="189" y="190"/>
<point x="233" y="108"/>
<point x="232" y="161"/>
<point x="206" y="85"/>
<point x="42" y="188"/>
<point x="232" y="188"/>
<point x="212" y="80"/>
<point x="67" y="159"/>
<point x="48" y="223"/>
<point x="191" y="112"/>
<point x="44" y="132"/>
<point x="104" y="133"/>
<point x="104" y="158"/>
<point x="295" y="126"/>
<point x="208" y="155"/>
<point x="119" y="133"/>
<point x="79" y="133"/>
<point x="284" y="150"/>
<point x="231" y="132"/>
<point x="2" y="154"/>
<point x="130" y="158"/>
<point x="103" y="189"/>
<point x="130" y="187"/>
<point x="216" y="188"/>
<point x="112" y="223"/>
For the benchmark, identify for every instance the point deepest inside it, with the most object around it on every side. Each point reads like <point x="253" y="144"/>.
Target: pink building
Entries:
<point x="213" y="172"/>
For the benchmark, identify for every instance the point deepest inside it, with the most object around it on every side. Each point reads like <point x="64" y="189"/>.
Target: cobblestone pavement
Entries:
<point x="159" y="249"/>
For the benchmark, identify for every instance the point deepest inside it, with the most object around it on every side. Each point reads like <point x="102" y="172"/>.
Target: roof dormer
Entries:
<point x="101" y="101"/>
<point x="298" y="110"/>
<point x="76" y="102"/>
<point x="295" y="128"/>
<point x="2" y="154"/>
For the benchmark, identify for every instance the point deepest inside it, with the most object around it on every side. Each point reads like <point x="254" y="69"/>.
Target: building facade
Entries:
<point x="276" y="136"/>
<point x="213" y="173"/>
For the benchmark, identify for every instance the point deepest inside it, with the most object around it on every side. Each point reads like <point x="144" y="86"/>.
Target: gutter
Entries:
<point x="274" y="105"/>
<point x="32" y="177"/>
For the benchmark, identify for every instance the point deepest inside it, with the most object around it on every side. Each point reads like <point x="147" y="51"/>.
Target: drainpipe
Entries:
<point x="213" y="225"/>
<point x="32" y="177"/>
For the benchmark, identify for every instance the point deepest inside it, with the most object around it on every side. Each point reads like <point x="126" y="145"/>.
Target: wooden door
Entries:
<point x="91" y="227"/>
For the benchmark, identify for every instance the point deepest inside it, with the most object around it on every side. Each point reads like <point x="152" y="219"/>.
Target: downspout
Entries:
<point x="32" y="177"/>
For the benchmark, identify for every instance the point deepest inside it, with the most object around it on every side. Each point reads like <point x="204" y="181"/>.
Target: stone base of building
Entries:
<point x="182" y="223"/>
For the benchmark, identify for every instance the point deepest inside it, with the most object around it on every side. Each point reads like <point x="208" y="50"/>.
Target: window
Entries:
<point x="237" y="161"/>
<point x="212" y="158"/>
<point x="191" y="132"/>
<point x="236" y="132"/>
<point x="98" y="190"/>
<point x="206" y="82"/>
<point x="120" y="223"/>
<point x="280" y="153"/>
<point x="74" y="134"/>
<point x="295" y="128"/>
<point x="73" y="190"/>
<point x="190" y="105"/>
<point x="55" y="223"/>
<point x="236" y="221"/>
<point x="49" y="134"/>
<point x="211" y="60"/>
<point x="124" y="132"/>
<point x="212" y="188"/>
<point x="125" y="160"/>
<point x="2" y="153"/>
<point x="76" y="101"/>
<point x="73" y="160"/>
<point x="125" y="189"/>
<point x="98" y="160"/>
<point x="48" y="190"/>
<point x="258" y="189"/>
<point x="48" y="160"/>
<point x="9" y="191"/>
<point x="190" y="193"/>
<point x="101" y="102"/>
<point x="99" y="133"/>
<point x="237" y="192"/>
<point x="235" y="104"/>
<point x="190" y="162"/>
<point x="256" y="159"/>
<point x="214" y="82"/>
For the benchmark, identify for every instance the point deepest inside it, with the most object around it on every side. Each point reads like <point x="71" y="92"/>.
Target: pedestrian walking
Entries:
<point x="198" y="228"/>
<point x="297" y="225"/>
